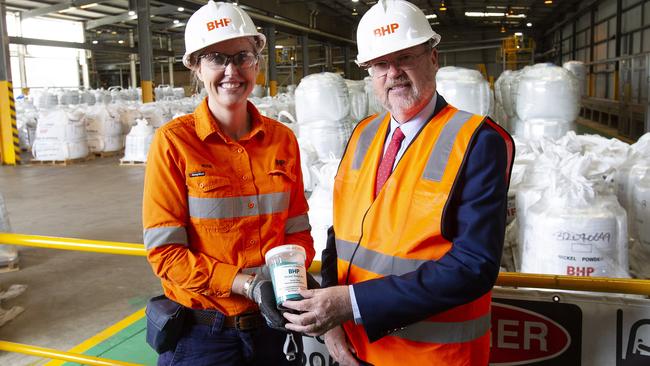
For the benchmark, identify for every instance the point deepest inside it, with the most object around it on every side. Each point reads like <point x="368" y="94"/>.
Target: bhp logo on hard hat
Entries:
<point x="388" y="29"/>
<point x="521" y="336"/>
<point x="223" y="22"/>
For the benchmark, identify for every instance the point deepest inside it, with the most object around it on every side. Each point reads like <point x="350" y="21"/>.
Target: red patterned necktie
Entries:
<point x="387" y="162"/>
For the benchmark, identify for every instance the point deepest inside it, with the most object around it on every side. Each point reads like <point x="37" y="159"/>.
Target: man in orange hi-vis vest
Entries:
<point x="419" y="214"/>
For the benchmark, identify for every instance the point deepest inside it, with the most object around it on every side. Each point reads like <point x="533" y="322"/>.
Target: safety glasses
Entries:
<point x="218" y="61"/>
<point x="406" y="61"/>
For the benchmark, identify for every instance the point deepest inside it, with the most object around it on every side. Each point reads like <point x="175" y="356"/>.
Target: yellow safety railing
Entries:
<point x="509" y="279"/>
<point x="60" y="355"/>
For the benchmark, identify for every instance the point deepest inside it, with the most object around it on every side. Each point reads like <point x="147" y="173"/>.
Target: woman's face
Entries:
<point x="231" y="85"/>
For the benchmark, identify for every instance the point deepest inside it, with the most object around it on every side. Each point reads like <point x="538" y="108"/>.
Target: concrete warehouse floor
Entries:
<point x="71" y="295"/>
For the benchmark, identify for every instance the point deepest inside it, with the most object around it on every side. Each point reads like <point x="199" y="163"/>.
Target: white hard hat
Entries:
<point x="392" y="25"/>
<point x="216" y="22"/>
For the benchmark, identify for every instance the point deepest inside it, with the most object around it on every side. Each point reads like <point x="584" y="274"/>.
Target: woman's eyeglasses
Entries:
<point x="218" y="61"/>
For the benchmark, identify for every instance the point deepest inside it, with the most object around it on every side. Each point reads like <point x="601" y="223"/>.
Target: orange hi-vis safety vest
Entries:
<point x="400" y="229"/>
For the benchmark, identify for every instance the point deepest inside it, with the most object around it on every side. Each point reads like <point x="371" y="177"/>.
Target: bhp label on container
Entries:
<point x="288" y="280"/>
<point x="578" y="248"/>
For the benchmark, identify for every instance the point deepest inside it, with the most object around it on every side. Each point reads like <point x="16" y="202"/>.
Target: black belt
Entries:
<point x="240" y="322"/>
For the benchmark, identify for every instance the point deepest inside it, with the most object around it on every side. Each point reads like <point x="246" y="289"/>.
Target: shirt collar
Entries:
<point x="411" y="127"/>
<point x="207" y="125"/>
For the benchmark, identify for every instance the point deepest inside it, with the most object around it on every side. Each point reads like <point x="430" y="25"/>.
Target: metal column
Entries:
<point x="304" y="40"/>
<point x="10" y="145"/>
<point x="170" y="62"/>
<point x="132" y="59"/>
<point x="145" y="50"/>
<point x="273" y="72"/>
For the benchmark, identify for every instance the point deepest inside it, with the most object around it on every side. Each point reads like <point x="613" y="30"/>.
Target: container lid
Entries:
<point x="285" y="249"/>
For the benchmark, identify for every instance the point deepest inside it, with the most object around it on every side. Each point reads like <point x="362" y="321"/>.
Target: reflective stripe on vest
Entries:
<point x="376" y="262"/>
<point x="297" y="224"/>
<point x="164" y="235"/>
<point x="440" y="154"/>
<point x="439" y="332"/>
<point x="241" y="206"/>
<point x="367" y="135"/>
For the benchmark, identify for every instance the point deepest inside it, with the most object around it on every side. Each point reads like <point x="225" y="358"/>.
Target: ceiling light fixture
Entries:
<point x="279" y="46"/>
<point x="131" y="12"/>
<point x="354" y="12"/>
<point x="355" y="1"/>
<point x="95" y="42"/>
<point x="442" y="6"/>
<point x="503" y="29"/>
<point x="120" y="41"/>
<point x="176" y="21"/>
<point x="88" y="5"/>
<point x="518" y="34"/>
<point x="180" y="8"/>
<point x="481" y="14"/>
<point x="548" y="2"/>
<point x="529" y="25"/>
<point x="431" y="16"/>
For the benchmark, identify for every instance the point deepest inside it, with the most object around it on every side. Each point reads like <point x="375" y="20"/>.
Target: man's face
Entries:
<point x="409" y="81"/>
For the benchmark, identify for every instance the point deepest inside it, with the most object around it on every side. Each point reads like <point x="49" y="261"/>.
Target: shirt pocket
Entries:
<point x="211" y="203"/>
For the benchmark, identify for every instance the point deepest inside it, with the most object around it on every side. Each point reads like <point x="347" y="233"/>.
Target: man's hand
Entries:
<point x="321" y="310"/>
<point x="339" y="348"/>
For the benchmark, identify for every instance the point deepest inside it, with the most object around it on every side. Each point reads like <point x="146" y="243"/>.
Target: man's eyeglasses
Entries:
<point x="405" y="61"/>
<point x="217" y="61"/>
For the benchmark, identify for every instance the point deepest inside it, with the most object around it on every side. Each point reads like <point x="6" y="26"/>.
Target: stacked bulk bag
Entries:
<point x="547" y="100"/>
<point x="258" y="91"/>
<point x="138" y="141"/>
<point x="578" y="69"/>
<point x="321" y="209"/>
<point x="26" y="121"/>
<point x="103" y="129"/>
<point x="154" y="114"/>
<point x="322" y="113"/>
<point x="465" y="89"/>
<point x="60" y="132"/>
<point x="358" y="99"/>
<point x="128" y="114"/>
<point x="640" y="248"/>
<point x="578" y="228"/>
<point x="374" y="105"/>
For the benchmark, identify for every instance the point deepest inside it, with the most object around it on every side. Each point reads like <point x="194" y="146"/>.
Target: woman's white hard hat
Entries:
<point x="216" y="22"/>
<point x="390" y="26"/>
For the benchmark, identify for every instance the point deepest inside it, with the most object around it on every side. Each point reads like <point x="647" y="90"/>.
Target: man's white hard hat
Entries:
<point x="216" y="22"/>
<point x="390" y="26"/>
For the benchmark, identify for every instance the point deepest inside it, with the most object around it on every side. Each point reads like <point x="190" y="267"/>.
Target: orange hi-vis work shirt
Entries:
<point x="213" y="206"/>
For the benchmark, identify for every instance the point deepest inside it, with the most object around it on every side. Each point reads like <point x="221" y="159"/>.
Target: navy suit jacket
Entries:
<point x="474" y="222"/>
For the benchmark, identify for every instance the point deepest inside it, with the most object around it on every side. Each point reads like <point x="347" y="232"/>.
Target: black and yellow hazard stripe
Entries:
<point x="8" y="129"/>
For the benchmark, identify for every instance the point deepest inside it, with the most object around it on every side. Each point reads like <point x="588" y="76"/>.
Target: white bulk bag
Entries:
<point x="258" y="91"/>
<point x="322" y="96"/>
<point x="61" y="124"/>
<point x="578" y="228"/>
<point x="128" y="113"/>
<point x="321" y="204"/>
<point x="59" y="150"/>
<point x="465" y="89"/>
<point x="154" y="114"/>
<point x="628" y="175"/>
<point x="578" y="69"/>
<point x="358" y="99"/>
<point x="640" y="248"/>
<point x="374" y="105"/>
<point x="138" y="141"/>
<point x="547" y="91"/>
<point x="537" y="128"/>
<point x="327" y="137"/>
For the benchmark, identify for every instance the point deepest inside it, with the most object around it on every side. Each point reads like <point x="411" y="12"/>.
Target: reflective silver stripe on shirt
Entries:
<point x="297" y="224"/>
<point x="441" y="151"/>
<point x="367" y="135"/>
<point x="164" y="235"/>
<point x="374" y="261"/>
<point x="438" y="332"/>
<point x="242" y="206"/>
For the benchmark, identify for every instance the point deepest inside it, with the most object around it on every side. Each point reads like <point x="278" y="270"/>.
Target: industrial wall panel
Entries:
<point x="567" y="31"/>
<point x="646" y="13"/>
<point x="632" y="19"/>
<point x="600" y="32"/>
<point x="600" y="51"/>
<point x="606" y="9"/>
<point x="581" y="55"/>
<point x="611" y="27"/>
<point x="628" y="3"/>
<point x="611" y="49"/>
<point x="584" y="21"/>
<point x="646" y="40"/>
<point x="636" y="42"/>
<point x="581" y="39"/>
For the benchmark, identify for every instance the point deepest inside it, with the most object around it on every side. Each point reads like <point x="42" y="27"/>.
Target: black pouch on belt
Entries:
<point x="164" y="323"/>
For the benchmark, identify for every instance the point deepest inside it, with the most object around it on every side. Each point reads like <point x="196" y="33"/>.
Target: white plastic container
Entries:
<point x="547" y="91"/>
<point x="288" y="273"/>
<point x="465" y="89"/>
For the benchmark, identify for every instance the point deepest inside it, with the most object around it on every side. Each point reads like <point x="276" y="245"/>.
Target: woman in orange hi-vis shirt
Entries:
<point x="222" y="187"/>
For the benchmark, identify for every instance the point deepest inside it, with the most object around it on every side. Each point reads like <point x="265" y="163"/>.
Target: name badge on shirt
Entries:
<point x="197" y="174"/>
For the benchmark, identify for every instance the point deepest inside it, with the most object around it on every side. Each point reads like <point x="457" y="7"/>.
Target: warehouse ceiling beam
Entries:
<point x="130" y="15"/>
<point x="85" y="46"/>
<point x="57" y="8"/>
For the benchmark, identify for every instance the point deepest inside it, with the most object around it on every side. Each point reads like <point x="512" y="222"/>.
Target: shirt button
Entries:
<point x="201" y="185"/>
<point x="251" y="205"/>
<point x="251" y="242"/>
<point x="240" y="150"/>
<point x="245" y="177"/>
